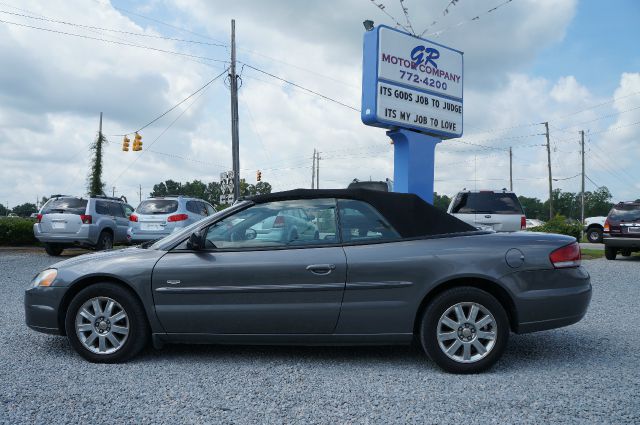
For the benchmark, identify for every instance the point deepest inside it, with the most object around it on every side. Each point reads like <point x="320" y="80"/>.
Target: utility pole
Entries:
<point x="113" y="192"/>
<point x="235" y="147"/>
<point x="318" y="170"/>
<point x="546" y="127"/>
<point x="510" y="169"/>
<point x="140" y="192"/>
<point x="313" y="171"/>
<point x="582" y="188"/>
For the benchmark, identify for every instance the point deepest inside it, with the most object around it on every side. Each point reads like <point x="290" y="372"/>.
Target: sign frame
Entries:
<point x="371" y="80"/>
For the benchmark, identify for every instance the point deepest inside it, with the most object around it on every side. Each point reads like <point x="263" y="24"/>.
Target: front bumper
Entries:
<point x="614" y="242"/>
<point x="548" y="299"/>
<point x="41" y="306"/>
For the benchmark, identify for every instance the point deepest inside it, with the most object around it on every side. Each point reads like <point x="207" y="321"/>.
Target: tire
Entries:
<point x="53" y="249"/>
<point x="626" y="252"/>
<point x="594" y="235"/>
<point x="465" y="334"/>
<point x="134" y="322"/>
<point x="610" y="253"/>
<point x="105" y="241"/>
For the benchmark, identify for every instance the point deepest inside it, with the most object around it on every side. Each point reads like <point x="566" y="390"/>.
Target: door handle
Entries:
<point x="321" y="269"/>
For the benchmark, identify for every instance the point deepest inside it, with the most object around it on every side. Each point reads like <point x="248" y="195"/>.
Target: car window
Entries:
<point x="128" y="210"/>
<point x="276" y="225"/>
<point x="210" y="209"/>
<point x="625" y="213"/>
<point x="102" y="208"/>
<point x="202" y="208"/>
<point x="486" y="203"/>
<point x="116" y="209"/>
<point x="157" y="206"/>
<point x="359" y="221"/>
<point x="65" y="205"/>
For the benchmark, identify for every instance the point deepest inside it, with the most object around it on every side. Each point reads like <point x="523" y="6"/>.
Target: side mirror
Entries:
<point x="196" y="241"/>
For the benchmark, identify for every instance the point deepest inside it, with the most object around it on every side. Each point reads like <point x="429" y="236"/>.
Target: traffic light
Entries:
<point x="137" y="143"/>
<point x="258" y="175"/>
<point x="125" y="144"/>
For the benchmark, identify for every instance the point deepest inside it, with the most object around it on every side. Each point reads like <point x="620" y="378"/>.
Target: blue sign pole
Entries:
<point x="413" y="162"/>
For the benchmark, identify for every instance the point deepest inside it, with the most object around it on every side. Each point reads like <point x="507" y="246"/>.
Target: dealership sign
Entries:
<point x="409" y="82"/>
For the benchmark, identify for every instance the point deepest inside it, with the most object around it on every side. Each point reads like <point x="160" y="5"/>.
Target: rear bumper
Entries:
<point x="632" y="243"/>
<point x="86" y="235"/>
<point x="548" y="299"/>
<point x="41" y="309"/>
<point x="137" y="237"/>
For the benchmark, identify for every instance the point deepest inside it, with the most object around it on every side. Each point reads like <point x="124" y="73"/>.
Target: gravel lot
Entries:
<point x="586" y="373"/>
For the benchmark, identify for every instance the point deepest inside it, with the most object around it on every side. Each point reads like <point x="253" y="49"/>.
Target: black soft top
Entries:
<point x="409" y="214"/>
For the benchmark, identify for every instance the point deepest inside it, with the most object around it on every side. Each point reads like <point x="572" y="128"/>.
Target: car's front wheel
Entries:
<point x="464" y="330"/>
<point x="105" y="323"/>
<point x="610" y="253"/>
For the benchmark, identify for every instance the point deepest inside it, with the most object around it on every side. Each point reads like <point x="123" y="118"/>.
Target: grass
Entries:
<point x="591" y="254"/>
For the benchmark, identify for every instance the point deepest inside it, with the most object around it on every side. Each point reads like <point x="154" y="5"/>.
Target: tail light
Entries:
<point x="133" y="217"/>
<point x="607" y="227"/>
<point x="278" y="222"/>
<point x="523" y="223"/>
<point x="177" y="217"/>
<point x="39" y="218"/>
<point x="86" y="219"/>
<point x="567" y="256"/>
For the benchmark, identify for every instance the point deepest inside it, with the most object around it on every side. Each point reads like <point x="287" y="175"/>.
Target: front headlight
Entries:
<point x="44" y="278"/>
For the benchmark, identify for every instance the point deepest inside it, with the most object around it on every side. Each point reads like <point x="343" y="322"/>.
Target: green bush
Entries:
<point x="558" y="224"/>
<point x="16" y="231"/>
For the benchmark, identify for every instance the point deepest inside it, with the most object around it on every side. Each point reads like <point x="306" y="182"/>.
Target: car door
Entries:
<point x="116" y="209"/>
<point x="381" y="277"/>
<point x="242" y="284"/>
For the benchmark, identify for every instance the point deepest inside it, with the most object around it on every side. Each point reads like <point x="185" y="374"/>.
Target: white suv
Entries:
<point x="497" y="210"/>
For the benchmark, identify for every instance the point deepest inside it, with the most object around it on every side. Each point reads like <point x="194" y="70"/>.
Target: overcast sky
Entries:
<point x="573" y="64"/>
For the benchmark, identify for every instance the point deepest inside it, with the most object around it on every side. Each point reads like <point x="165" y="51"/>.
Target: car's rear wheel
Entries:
<point x="464" y="330"/>
<point x="610" y="253"/>
<point x="53" y="249"/>
<point x="594" y="235"/>
<point x="626" y="253"/>
<point x="105" y="323"/>
<point x="105" y="241"/>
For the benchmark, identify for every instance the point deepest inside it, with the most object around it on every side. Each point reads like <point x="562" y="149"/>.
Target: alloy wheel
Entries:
<point x="467" y="332"/>
<point x="102" y="325"/>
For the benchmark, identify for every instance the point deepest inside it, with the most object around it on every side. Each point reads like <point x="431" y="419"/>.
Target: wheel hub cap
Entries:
<point x="102" y="325"/>
<point x="467" y="332"/>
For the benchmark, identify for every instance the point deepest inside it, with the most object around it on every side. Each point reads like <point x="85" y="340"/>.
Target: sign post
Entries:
<point x="414" y="88"/>
<point x="227" y="186"/>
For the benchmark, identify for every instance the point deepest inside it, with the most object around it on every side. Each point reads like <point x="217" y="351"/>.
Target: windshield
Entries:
<point x="65" y="205"/>
<point x="168" y="241"/>
<point x="625" y="213"/>
<point x="157" y="206"/>
<point x="487" y="203"/>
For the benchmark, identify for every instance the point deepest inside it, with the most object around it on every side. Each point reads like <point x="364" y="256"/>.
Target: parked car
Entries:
<point x="158" y="217"/>
<point x="498" y="210"/>
<point x="390" y="269"/>
<point x="96" y="222"/>
<point x="13" y="215"/>
<point x="533" y="222"/>
<point x="594" y="228"/>
<point x="384" y="186"/>
<point x="622" y="230"/>
<point x="33" y="215"/>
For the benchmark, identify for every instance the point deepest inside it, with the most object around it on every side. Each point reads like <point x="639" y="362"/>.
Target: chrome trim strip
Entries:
<point x="251" y="288"/>
<point x="379" y="285"/>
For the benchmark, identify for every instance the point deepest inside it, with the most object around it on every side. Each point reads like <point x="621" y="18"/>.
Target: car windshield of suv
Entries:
<point x="487" y="203"/>
<point x="157" y="206"/>
<point x="65" y="205"/>
<point x="625" y="213"/>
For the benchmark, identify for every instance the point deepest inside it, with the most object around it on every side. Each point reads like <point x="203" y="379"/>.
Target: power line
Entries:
<point x="170" y="124"/>
<point x="465" y="21"/>
<point x="382" y="8"/>
<point x="122" y="43"/>
<point x="137" y="34"/>
<point x="405" y="10"/>
<point x="174" y="106"/>
<point x="299" y="86"/>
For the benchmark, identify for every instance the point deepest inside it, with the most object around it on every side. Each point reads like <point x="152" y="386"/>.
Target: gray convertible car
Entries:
<point x="378" y="268"/>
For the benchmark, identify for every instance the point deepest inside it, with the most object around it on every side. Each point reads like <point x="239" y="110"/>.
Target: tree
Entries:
<point x="3" y="210"/>
<point x="95" y="184"/>
<point x="25" y="210"/>
<point x="597" y="203"/>
<point x="533" y="208"/>
<point x="210" y="192"/>
<point x="441" y="202"/>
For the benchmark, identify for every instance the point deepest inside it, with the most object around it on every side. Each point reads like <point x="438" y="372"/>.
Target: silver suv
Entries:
<point x="498" y="210"/>
<point x="96" y="222"/>
<point x="158" y="217"/>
